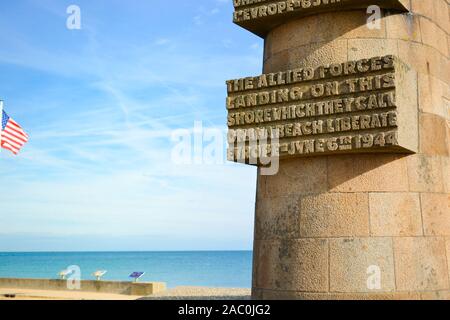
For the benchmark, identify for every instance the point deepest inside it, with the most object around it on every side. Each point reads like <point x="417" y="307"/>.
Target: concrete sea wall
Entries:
<point x="113" y="287"/>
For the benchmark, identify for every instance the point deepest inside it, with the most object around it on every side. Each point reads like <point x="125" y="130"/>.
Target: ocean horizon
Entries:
<point x="227" y="269"/>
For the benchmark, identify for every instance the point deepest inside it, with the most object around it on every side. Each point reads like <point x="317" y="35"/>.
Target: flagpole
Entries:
<point x="1" y="122"/>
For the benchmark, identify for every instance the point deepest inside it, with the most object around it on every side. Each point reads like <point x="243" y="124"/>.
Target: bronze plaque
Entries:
<point x="261" y="16"/>
<point x="369" y="105"/>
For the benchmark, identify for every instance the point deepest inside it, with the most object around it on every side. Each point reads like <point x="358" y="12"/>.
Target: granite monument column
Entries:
<point x="355" y="214"/>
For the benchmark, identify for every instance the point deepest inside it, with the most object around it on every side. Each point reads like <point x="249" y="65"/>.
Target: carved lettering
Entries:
<point x="336" y="108"/>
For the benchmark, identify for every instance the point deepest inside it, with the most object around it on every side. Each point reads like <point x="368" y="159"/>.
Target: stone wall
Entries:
<point x="113" y="287"/>
<point x="321" y="222"/>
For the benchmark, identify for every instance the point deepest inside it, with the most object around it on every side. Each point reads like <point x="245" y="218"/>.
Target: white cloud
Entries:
<point x="103" y="167"/>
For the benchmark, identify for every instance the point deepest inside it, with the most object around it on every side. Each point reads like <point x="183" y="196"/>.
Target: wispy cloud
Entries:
<point x="100" y="107"/>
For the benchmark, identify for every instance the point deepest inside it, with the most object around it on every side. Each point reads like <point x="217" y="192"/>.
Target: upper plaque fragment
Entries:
<point x="261" y="16"/>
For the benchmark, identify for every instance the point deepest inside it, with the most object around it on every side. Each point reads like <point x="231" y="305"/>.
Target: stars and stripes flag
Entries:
<point x="12" y="138"/>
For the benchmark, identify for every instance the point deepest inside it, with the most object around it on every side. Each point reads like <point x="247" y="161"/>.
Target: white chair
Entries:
<point x="99" y="274"/>
<point x="63" y="274"/>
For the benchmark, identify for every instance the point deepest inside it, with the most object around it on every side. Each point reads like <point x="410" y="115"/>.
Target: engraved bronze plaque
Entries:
<point x="369" y="105"/>
<point x="261" y="16"/>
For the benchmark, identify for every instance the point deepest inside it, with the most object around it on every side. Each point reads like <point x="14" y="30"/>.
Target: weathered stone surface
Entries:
<point x="395" y="214"/>
<point x="403" y="27"/>
<point x="424" y="59"/>
<point x="350" y="260"/>
<point x="436" y="295"/>
<point x="433" y="138"/>
<point x="422" y="8"/>
<point x="292" y="265"/>
<point x="407" y="107"/>
<point x="445" y="162"/>
<point x="361" y="48"/>
<point x="264" y="16"/>
<point x="257" y="294"/>
<point x="334" y="215"/>
<point x="433" y="35"/>
<point x="292" y="295"/>
<point x="433" y="94"/>
<point x="425" y="173"/>
<point x="323" y="29"/>
<point x="448" y="254"/>
<point x="436" y="214"/>
<point x="366" y="173"/>
<point x="260" y="186"/>
<point x="442" y="14"/>
<point x="420" y="264"/>
<point x="277" y="218"/>
<point x="303" y="265"/>
<point x="295" y="178"/>
<point x="265" y="263"/>
<point x="313" y="54"/>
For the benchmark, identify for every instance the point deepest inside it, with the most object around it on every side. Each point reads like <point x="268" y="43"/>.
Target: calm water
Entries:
<point x="212" y="269"/>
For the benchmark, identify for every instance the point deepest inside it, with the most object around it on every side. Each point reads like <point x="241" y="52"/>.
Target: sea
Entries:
<point x="227" y="269"/>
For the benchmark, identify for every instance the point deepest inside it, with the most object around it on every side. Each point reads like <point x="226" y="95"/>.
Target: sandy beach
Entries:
<point x="30" y="294"/>
<point x="178" y="293"/>
<point x="201" y="293"/>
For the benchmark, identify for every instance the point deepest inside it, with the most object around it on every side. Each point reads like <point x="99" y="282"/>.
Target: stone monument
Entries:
<point x="359" y="118"/>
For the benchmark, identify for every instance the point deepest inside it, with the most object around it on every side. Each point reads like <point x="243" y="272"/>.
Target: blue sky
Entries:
<point x="100" y="105"/>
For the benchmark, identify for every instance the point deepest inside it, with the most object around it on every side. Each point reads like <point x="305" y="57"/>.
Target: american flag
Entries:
<point x="13" y="137"/>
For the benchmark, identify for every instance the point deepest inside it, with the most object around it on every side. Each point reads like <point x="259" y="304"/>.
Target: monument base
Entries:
<point x="361" y="226"/>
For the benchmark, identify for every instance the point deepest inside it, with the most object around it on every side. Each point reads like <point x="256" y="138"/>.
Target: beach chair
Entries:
<point x="136" y="276"/>
<point x="99" y="274"/>
<point x="64" y="273"/>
